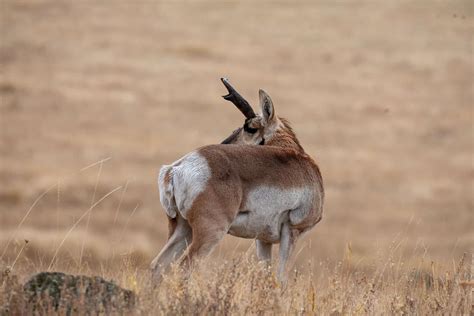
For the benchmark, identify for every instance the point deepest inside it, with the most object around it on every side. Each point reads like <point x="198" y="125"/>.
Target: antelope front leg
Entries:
<point x="287" y="243"/>
<point x="264" y="251"/>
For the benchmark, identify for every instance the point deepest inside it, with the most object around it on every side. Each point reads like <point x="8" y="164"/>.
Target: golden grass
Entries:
<point x="243" y="286"/>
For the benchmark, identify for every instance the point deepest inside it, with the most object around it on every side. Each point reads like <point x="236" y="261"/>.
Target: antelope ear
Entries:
<point x="268" y="111"/>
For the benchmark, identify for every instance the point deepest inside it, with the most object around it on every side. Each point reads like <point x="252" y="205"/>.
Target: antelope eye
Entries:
<point x="249" y="129"/>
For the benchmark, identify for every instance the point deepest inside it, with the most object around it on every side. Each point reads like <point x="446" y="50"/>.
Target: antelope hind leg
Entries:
<point x="201" y="246"/>
<point x="177" y="243"/>
<point x="206" y="235"/>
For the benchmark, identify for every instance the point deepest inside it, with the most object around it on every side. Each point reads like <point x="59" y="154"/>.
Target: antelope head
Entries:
<point x="264" y="128"/>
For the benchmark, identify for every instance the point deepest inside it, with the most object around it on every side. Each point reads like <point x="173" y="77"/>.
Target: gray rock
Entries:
<point x="55" y="291"/>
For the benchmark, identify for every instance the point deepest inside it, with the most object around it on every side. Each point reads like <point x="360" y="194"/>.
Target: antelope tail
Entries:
<point x="165" y="184"/>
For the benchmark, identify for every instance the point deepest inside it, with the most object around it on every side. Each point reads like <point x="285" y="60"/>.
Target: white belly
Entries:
<point x="265" y="209"/>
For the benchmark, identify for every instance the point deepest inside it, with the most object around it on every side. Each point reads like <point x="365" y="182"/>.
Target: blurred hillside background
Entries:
<point x="379" y="93"/>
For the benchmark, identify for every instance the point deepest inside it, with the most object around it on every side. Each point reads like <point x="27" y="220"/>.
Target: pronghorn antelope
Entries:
<point x="258" y="183"/>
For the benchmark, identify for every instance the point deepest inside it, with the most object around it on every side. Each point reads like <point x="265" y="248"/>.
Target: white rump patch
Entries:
<point x="189" y="176"/>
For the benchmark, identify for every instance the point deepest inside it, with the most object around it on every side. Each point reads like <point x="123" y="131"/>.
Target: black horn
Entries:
<point x="238" y="100"/>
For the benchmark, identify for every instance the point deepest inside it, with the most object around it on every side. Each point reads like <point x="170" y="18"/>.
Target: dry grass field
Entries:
<point x="96" y="96"/>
